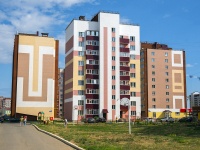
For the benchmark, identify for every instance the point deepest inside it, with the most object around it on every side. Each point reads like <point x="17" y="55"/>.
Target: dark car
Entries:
<point x="90" y="120"/>
<point x="101" y="120"/>
<point x="1" y="119"/>
<point x="14" y="120"/>
<point x="186" y="119"/>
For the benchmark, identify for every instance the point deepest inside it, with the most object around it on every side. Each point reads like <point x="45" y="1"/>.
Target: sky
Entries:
<point x="172" y="22"/>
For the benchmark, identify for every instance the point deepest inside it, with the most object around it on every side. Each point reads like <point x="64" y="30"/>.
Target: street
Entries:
<point x="16" y="137"/>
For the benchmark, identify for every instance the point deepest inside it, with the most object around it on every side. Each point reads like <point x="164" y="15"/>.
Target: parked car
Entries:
<point x="167" y="119"/>
<point x="14" y="120"/>
<point x="101" y="120"/>
<point x="186" y="119"/>
<point x="1" y="119"/>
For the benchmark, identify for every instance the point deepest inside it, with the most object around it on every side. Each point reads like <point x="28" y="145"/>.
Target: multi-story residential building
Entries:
<point x="163" y="81"/>
<point x="35" y="76"/>
<point x="194" y="99"/>
<point x="5" y="106"/>
<point x="61" y="79"/>
<point x="102" y="68"/>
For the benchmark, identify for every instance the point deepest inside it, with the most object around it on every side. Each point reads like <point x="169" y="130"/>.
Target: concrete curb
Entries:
<point x="59" y="138"/>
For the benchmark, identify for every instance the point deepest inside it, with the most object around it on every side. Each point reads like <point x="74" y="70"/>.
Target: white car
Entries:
<point x="167" y="119"/>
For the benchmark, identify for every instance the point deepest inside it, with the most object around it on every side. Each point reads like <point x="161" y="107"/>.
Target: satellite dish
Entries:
<point x="124" y="101"/>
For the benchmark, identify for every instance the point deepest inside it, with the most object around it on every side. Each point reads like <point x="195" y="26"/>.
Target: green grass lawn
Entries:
<point x="103" y="136"/>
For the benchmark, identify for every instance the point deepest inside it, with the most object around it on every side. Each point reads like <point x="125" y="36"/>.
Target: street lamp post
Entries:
<point x="125" y="102"/>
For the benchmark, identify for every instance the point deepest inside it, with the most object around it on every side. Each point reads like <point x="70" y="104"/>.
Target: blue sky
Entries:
<point x="172" y="22"/>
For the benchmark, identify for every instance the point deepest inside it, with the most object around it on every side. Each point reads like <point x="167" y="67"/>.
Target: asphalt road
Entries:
<point x="16" y="137"/>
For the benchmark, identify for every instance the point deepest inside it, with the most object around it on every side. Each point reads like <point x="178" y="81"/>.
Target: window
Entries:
<point x="153" y="99"/>
<point x="80" y="102"/>
<point x="167" y="86"/>
<point x="92" y="33"/>
<point x="81" y="34"/>
<point x="132" y="47"/>
<point x="113" y="87"/>
<point x="92" y="101"/>
<point x="81" y="44"/>
<point x="142" y="66"/>
<point x="94" y="43"/>
<point x="153" y="86"/>
<point x="80" y="92"/>
<point x="133" y="103"/>
<point x="177" y="113"/>
<point x="81" y="53"/>
<point x="166" y="60"/>
<point x="92" y="111"/>
<point x="153" y="79"/>
<point x="133" y="94"/>
<point x="113" y="48"/>
<point x="166" y="67"/>
<point x="166" y="80"/>
<point x="133" y="113"/>
<point x="153" y="106"/>
<point x="113" y="39"/>
<point x="153" y="73"/>
<point x="167" y="93"/>
<point x="153" y="93"/>
<point x="132" y="66"/>
<point x="167" y="106"/>
<point x="152" y="59"/>
<point x="132" y="57"/>
<point x="132" y="38"/>
<point x="113" y="106"/>
<point x="80" y="82"/>
<point x="132" y="75"/>
<point x="113" y="29"/>
<point x="152" y="53"/>
<point x="133" y="84"/>
<point x="113" y="96"/>
<point x="80" y="72"/>
<point x="166" y="54"/>
<point x="113" y="57"/>
<point x="113" y="67"/>
<point x="113" y="77"/>
<point x="80" y="63"/>
<point x="152" y="66"/>
<point x="80" y="112"/>
<point x="167" y="100"/>
<point x="166" y="73"/>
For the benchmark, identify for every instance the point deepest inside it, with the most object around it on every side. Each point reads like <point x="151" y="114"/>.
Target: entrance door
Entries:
<point x="121" y="114"/>
<point x="105" y="115"/>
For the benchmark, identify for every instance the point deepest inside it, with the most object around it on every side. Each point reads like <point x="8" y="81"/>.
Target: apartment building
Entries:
<point x="34" y="76"/>
<point x="61" y="97"/>
<point x="194" y="99"/>
<point x="102" y="68"/>
<point x="5" y="106"/>
<point x="163" y="81"/>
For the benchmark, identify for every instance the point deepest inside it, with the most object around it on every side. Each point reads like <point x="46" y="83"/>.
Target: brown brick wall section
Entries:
<point x="177" y="58"/>
<point x="177" y="77"/>
<point x="69" y="44"/>
<point x="178" y="103"/>
<point x="68" y="111"/>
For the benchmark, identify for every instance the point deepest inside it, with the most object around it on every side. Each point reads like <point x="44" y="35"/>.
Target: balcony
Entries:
<point x="95" y="57"/>
<point x="92" y="96"/>
<point x="92" y="66"/>
<point x="124" y="77"/>
<point x="95" y="38"/>
<point x="92" y="47"/>
<point x="124" y="41"/>
<point x="124" y="50"/>
<point x="126" y="59"/>
<point x="124" y="68"/>
<point x="125" y="96"/>
<point x="92" y="76"/>
<point x="92" y="86"/>
<point x="125" y="87"/>
<point x="92" y="106"/>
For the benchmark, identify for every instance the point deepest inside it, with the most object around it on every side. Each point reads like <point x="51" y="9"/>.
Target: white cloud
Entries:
<point x="29" y="16"/>
<point x="189" y="65"/>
